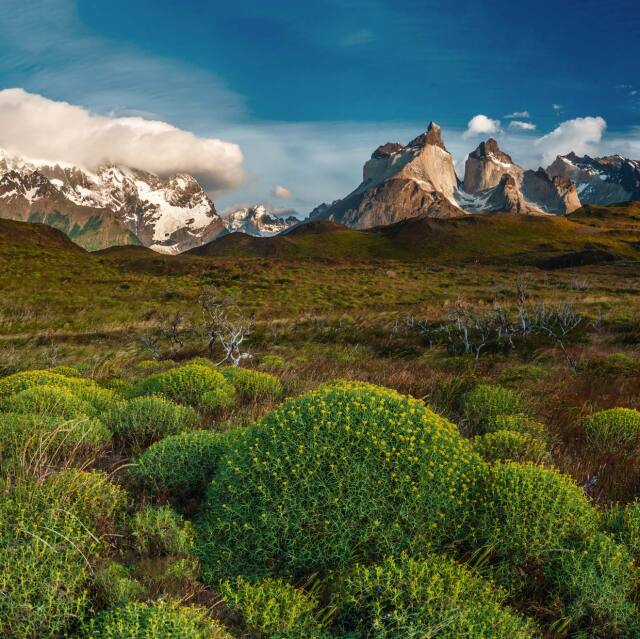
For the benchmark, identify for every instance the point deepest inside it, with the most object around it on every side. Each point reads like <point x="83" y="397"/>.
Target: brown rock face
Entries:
<point x="485" y="167"/>
<point x="555" y="195"/>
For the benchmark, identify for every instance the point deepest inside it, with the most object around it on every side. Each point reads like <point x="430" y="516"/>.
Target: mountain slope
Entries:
<point x="257" y="220"/>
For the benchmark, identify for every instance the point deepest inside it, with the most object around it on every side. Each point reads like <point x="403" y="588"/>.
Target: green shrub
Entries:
<point x="101" y="400"/>
<point x="270" y="607"/>
<point x="173" y="576"/>
<point x="66" y="371"/>
<point x="432" y="597"/>
<point x="194" y="385"/>
<point x="161" y="531"/>
<point x="114" y="585"/>
<point x="49" y="532"/>
<point x="503" y="445"/>
<point x="595" y="582"/>
<point x="182" y="465"/>
<point x="144" y="420"/>
<point x="28" y="379"/>
<point x="33" y="442"/>
<point x="252" y="384"/>
<point x="518" y="424"/>
<point x="47" y="400"/>
<point x="527" y="511"/>
<point x="623" y="522"/>
<point x="159" y="621"/>
<point x="484" y="403"/>
<point x="616" y="430"/>
<point x="349" y="471"/>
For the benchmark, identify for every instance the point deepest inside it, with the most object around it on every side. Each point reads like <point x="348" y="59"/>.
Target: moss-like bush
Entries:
<point x="101" y="400"/>
<point x="47" y="400"/>
<point x="595" y="583"/>
<point x="181" y="466"/>
<point x="431" y="597"/>
<point x="616" y="430"/>
<point x="66" y="371"/>
<point x="484" y="403"/>
<point x="252" y="384"/>
<point x="50" y="531"/>
<point x="527" y="511"/>
<point x="161" y="531"/>
<point x="503" y="445"/>
<point x="159" y="621"/>
<point x="28" y="379"/>
<point x="623" y="522"/>
<point x="194" y="385"/>
<point x="518" y="424"/>
<point x="115" y="586"/>
<point x="349" y="471"/>
<point x="30" y="442"/>
<point x="270" y="607"/>
<point x="144" y="420"/>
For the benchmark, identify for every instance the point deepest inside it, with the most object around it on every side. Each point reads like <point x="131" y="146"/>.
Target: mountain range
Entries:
<point x="117" y="205"/>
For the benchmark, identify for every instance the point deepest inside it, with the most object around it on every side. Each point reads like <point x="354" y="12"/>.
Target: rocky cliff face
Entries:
<point x="485" y="167"/>
<point x="604" y="180"/>
<point x="119" y="204"/>
<point x="400" y="182"/>
<point x="555" y="195"/>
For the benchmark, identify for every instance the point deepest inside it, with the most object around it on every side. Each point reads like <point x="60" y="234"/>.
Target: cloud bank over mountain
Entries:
<point x="42" y="129"/>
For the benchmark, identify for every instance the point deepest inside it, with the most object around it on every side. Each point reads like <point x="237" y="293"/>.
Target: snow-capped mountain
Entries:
<point x="110" y="205"/>
<point x="257" y="220"/>
<point x="604" y="180"/>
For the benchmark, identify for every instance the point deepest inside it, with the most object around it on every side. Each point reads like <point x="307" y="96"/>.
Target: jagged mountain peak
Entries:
<point x="432" y="136"/>
<point x="491" y="149"/>
<point x="258" y="220"/>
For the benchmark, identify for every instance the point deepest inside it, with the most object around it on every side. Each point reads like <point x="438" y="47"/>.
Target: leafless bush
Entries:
<point x="167" y="338"/>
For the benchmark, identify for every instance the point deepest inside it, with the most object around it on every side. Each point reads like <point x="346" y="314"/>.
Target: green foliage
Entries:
<point x="31" y="442"/>
<point x="158" y="621"/>
<point x="349" y="471"/>
<point x="270" y="607"/>
<point x="181" y="465"/>
<point x="161" y="531"/>
<point x="431" y="597"/>
<point x="616" y="430"/>
<point x="28" y="379"/>
<point x="623" y="522"/>
<point x="527" y="511"/>
<point x="114" y="585"/>
<point x="503" y="445"/>
<point x="252" y="384"/>
<point x="66" y="371"/>
<point x="49" y="532"/>
<point x="142" y="421"/>
<point x="193" y="384"/>
<point x="484" y="403"/>
<point x="519" y="424"/>
<point x="595" y="583"/>
<point x="47" y="400"/>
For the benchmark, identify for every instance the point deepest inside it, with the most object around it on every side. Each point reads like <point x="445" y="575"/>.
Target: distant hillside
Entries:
<point x="32" y="237"/>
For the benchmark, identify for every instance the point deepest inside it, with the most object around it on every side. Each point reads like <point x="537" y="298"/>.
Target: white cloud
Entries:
<point x="522" y="126"/>
<point x="556" y="107"/>
<point x="481" y="125"/>
<point x="581" y="135"/>
<point x="281" y="192"/>
<point x="38" y="128"/>
<point x="518" y="114"/>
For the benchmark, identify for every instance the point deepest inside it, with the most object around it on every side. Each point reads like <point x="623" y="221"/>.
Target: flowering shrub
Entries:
<point x="47" y="400"/>
<point x="502" y="445"/>
<point x="28" y="379"/>
<point x="252" y="384"/>
<point x="527" y="511"/>
<point x="623" y="522"/>
<point x="484" y="403"/>
<point x="518" y="424"/>
<point x="595" y="582"/>
<point x="193" y="384"/>
<point x="614" y="430"/>
<point x="160" y="621"/>
<point x="270" y="607"/>
<point x="161" y="531"/>
<point x="143" y="420"/>
<point x="411" y="599"/>
<point x="115" y="586"/>
<point x="349" y="471"/>
<point x="180" y="465"/>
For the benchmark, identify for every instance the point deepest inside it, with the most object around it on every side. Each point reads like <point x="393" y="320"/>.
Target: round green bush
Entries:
<point x="66" y="371"/>
<point x="101" y="400"/>
<point x="50" y="532"/>
<point x="595" y="583"/>
<point x="623" y="522"/>
<point x="527" y="511"/>
<point x="252" y="384"/>
<point x="47" y="400"/>
<point x="484" y="403"/>
<point x="161" y="531"/>
<point x="114" y="585"/>
<point x="431" y="597"/>
<point x="616" y="430"/>
<point x="142" y="421"/>
<point x="182" y="465"/>
<point x="350" y="471"/>
<point x="193" y="384"/>
<point x="270" y="607"/>
<point x="28" y="379"/>
<point x="158" y="621"/>
<point x="518" y="424"/>
<point x="503" y="445"/>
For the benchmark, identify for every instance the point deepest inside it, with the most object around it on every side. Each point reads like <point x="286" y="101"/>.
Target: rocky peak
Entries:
<point x="485" y="167"/>
<point x="386" y="150"/>
<point x="432" y="136"/>
<point x="556" y="194"/>
<point x="490" y="149"/>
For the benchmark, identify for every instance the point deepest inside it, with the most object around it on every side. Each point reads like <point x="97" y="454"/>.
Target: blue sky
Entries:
<point x="308" y="89"/>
